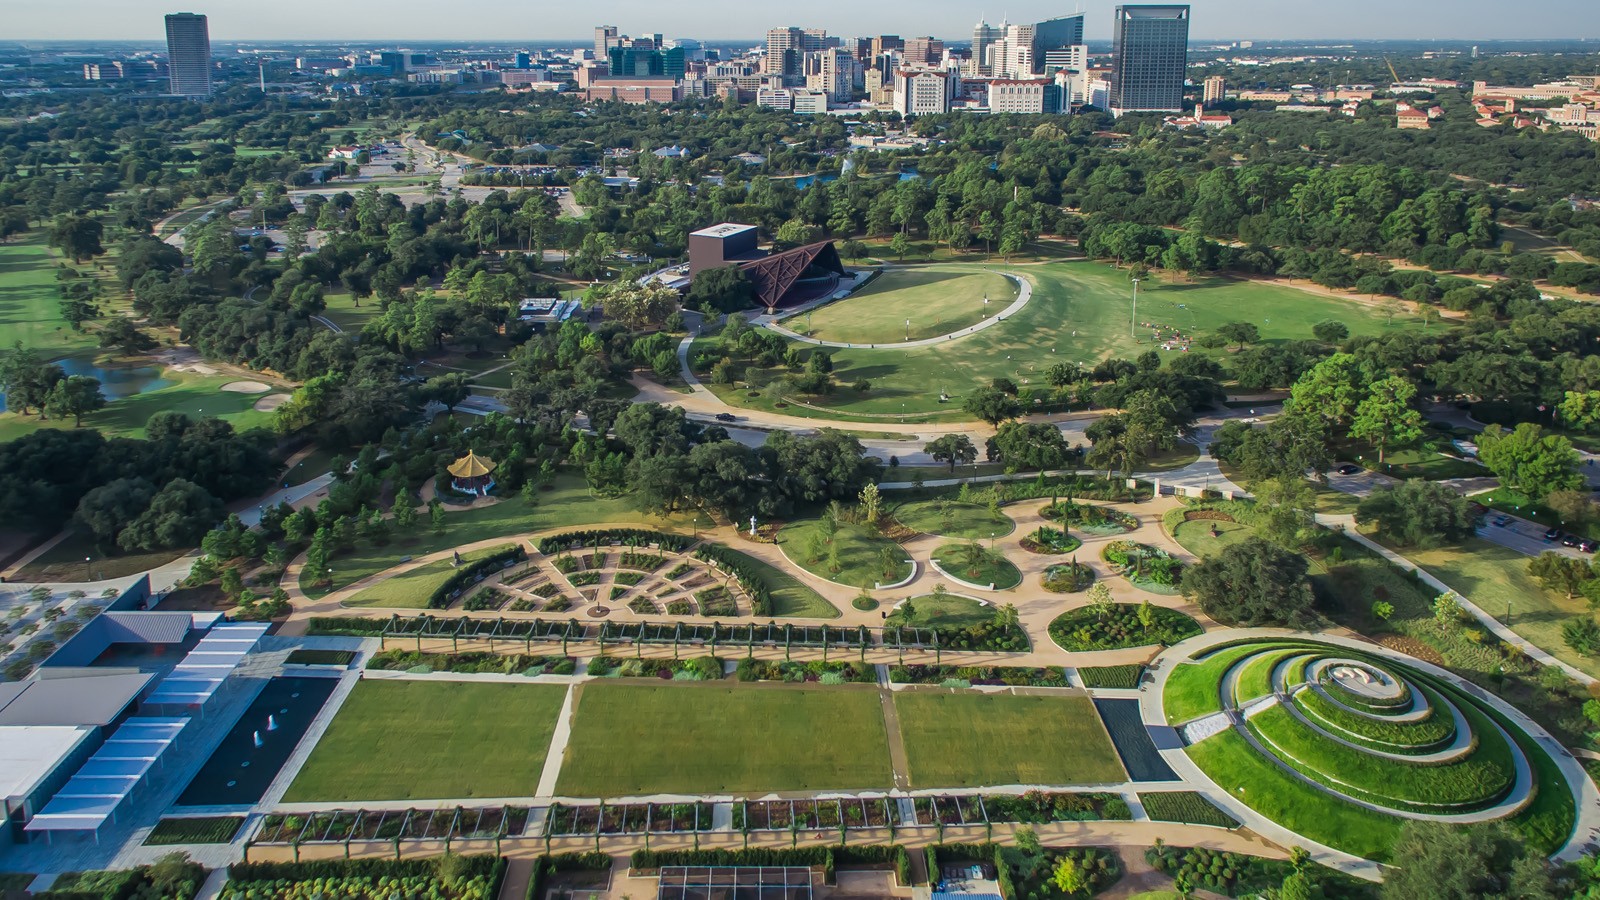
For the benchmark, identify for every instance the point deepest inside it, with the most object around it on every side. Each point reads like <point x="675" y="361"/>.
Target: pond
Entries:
<point x="116" y="382"/>
<point x="801" y="182"/>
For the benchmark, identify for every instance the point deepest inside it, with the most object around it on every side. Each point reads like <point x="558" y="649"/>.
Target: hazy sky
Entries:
<point x="542" y="20"/>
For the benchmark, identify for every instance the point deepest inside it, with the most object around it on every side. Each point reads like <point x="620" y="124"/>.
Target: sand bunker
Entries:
<point x="246" y="387"/>
<point x="271" y="402"/>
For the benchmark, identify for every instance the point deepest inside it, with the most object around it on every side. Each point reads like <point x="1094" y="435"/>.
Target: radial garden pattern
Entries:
<point x="1340" y="732"/>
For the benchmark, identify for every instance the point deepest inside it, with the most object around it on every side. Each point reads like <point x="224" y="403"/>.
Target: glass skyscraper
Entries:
<point x="1055" y="34"/>
<point x="1151" y="52"/>
<point x="188" y="55"/>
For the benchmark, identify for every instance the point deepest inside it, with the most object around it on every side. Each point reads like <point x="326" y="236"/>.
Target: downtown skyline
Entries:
<point x="501" y="20"/>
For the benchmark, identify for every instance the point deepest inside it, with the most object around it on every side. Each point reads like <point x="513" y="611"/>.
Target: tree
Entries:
<point x="1479" y="862"/>
<point x="870" y="506"/>
<point x="639" y="305"/>
<point x="1330" y="331"/>
<point x="405" y="515"/>
<point x="75" y="396"/>
<point x="724" y="289"/>
<point x="991" y="406"/>
<point x="179" y="515"/>
<point x="1331" y="389"/>
<point x="1251" y="583"/>
<point x="1576" y="508"/>
<point x="1418" y="514"/>
<point x="952" y="449"/>
<point x="436" y="516"/>
<point x="1240" y="333"/>
<point x="26" y="380"/>
<point x="1530" y="461"/>
<point x="447" y="390"/>
<point x="108" y="509"/>
<point x="1560" y="572"/>
<point x="77" y="236"/>
<point x="121" y="334"/>
<point x="1029" y="445"/>
<point x="1385" y="418"/>
<point x="1068" y="876"/>
<point x="899" y="244"/>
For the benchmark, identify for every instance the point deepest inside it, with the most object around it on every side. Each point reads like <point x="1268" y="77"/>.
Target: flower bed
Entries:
<point x="507" y="664"/>
<point x="1120" y="625"/>
<point x="716" y="601"/>
<point x="1187" y="807"/>
<point x="585" y="578"/>
<point x="644" y="606"/>
<point x="1095" y="520"/>
<point x="559" y="604"/>
<point x="629" y="579"/>
<point x="701" y="668"/>
<point x="196" y="830"/>
<point x="547" y="590"/>
<point x="1068" y="578"/>
<point x="486" y="599"/>
<point x="439" y="878"/>
<point x="965" y="676"/>
<point x="1147" y="567"/>
<point x="977" y="565"/>
<point x="679" y="608"/>
<point x="643" y="562"/>
<point x="817" y="671"/>
<point x="1111" y="676"/>
<point x="1048" y="541"/>
<point x="1038" y="807"/>
<point x="474" y="572"/>
<point x="680" y="570"/>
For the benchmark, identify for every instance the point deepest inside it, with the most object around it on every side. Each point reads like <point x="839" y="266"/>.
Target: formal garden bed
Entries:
<point x="844" y="552"/>
<point x="1187" y="807"/>
<point x="395" y="659"/>
<point x="1030" y="808"/>
<point x="976" y="564"/>
<point x="1100" y="521"/>
<point x="1067" y="578"/>
<point x="1238" y="875"/>
<point x="1145" y="566"/>
<point x="968" y="676"/>
<point x="447" y="877"/>
<point x="1117" y="626"/>
<point x="1048" y="541"/>
<point x="1125" y="677"/>
<point x="173" y="877"/>
<point x="824" y="672"/>
<point x="700" y="668"/>
<point x="940" y="609"/>
<point x="348" y="826"/>
<point x="194" y="830"/>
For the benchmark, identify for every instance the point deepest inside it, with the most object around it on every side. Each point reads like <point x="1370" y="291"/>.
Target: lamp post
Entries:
<point x="1133" y="321"/>
<point x="908" y="329"/>
<point x="86" y="569"/>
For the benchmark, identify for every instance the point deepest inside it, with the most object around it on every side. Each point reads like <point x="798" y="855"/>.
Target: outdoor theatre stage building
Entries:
<point x="784" y="278"/>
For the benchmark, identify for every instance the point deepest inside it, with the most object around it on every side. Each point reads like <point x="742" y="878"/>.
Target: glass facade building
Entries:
<point x="1150" y="54"/>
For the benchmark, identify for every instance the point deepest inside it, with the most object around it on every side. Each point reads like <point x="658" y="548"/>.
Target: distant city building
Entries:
<point x="922" y="51"/>
<point x="634" y="89"/>
<point x="605" y="37"/>
<point x="110" y="71"/>
<point x="1150" y="47"/>
<point x="810" y="102"/>
<point x="1024" y="95"/>
<point x="1215" y="89"/>
<point x="983" y="37"/>
<point x="1055" y="35"/>
<point x="188" y="55"/>
<point x="923" y="92"/>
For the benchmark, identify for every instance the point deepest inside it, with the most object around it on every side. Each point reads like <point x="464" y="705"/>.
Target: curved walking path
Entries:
<point x="1586" y="797"/>
<point x="1024" y="294"/>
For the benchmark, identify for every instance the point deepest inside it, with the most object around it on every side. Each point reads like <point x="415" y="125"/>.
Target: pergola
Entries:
<point x="735" y="883"/>
<point x="472" y="474"/>
<point x="97" y="791"/>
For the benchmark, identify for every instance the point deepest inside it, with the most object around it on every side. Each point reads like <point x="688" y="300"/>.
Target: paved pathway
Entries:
<point x="558" y="745"/>
<point x="1024" y="294"/>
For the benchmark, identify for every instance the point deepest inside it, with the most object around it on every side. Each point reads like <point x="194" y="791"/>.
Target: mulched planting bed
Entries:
<point x="1119" y="626"/>
<point x="1111" y="676"/>
<point x="196" y="830"/>
<point x="1187" y="807"/>
<point x="959" y="676"/>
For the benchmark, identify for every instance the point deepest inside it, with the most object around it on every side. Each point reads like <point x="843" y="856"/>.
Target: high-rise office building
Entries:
<point x="605" y="37"/>
<point x="886" y="43"/>
<point x="1215" y="89"/>
<point x="786" y="50"/>
<point x="923" y="51"/>
<point x="188" y="55"/>
<point x="1056" y="34"/>
<point x="1150" y="47"/>
<point x="983" y="37"/>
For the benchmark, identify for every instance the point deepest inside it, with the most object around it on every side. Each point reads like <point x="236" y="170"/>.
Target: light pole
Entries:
<point x="1133" y="321"/>
<point x="908" y="329"/>
<point x="86" y="569"/>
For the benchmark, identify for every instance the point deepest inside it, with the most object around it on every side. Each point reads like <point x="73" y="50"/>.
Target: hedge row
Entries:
<point x="739" y="566"/>
<point x="425" y="867"/>
<point x="474" y="572"/>
<point x="628" y="537"/>
<point x="348" y="626"/>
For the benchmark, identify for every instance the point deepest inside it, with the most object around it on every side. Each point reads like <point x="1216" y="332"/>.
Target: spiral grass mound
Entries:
<point x="1343" y="746"/>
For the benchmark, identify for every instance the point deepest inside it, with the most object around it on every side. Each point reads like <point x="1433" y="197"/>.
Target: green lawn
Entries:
<point x="996" y="570"/>
<point x="412" y="589"/>
<point x="791" y="598"/>
<point x="715" y="738"/>
<point x="862" y="554"/>
<point x="949" y="611"/>
<point x="196" y="396"/>
<point x="343" y="311"/>
<point x="1195" y="536"/>
<point x="936" y="299"/>
<point x="962" y="739"/>
<point x="1080" y="312"/>
<point x="949" y="518"/>
<point x="1194" y="688"/>
<point x="419" y="740"/>
<point x="1260" y="784"/>
<point x="569" y="502"/>
<point x="29" y="304"/>
<point x="65" y="561"/>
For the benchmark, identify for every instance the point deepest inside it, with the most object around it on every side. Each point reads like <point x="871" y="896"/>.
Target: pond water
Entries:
<point x="801" y="182"/>
<point x="116" y="382"/>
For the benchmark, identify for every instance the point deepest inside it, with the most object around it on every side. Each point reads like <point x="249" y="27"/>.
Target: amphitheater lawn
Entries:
<point x="630" y="739"/>
<point x="937" y="299"/>
<point x="1260" y="784"/>
<point x="405" y="740"/>
<point x="1024" y="740"/>
<point x="412" y="589"/>
<point x="1080" y="311"/>
<point x="1194" y="689"/>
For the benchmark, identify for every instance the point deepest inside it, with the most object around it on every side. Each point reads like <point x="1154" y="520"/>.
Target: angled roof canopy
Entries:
<point x="775" y="276"/>
<point x="471" y="466"/>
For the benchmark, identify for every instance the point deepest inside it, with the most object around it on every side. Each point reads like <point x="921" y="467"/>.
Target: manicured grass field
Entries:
<point x="860" y="553"/>
<point x="791" y="597"/>
<point x="632" y="739"/>
<point x="1260" y="784"/>
<point x="1195" y="536"/>
<point x="418" y="740"/>
<point x="937" y="299"/>
<point x="948" y="518"/>
<point x="65" y="561"/>
<point x="1080" y="312"/>
<point x="1193" y="688"/>
<point x="342" y="310"/>
<point x="949" y="611"/>
<point x="961" y="739"/>
<point x="29" y="306"/>
<point x="997" y="571"/>
<point x="197" y="396"/>
<point x="412" y="589"/>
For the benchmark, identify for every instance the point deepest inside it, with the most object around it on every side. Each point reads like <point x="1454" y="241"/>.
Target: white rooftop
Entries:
<point x="193" y="680"/>
<point x="29" y="753"/>
<point x="93" y="795"/>
<point x="726" y="229"/>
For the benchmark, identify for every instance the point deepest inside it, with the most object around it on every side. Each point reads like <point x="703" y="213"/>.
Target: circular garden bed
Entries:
<point x="1120" y="625"/>
<point x="1068" y="578"/>
<point x="1147" y="567"/>
<point x="1048" y="541"/>
<point x="1099" y="521"/>
<point x="976" y="564"/>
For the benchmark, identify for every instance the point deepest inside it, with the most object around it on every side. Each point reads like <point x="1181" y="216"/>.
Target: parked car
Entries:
<point x="1349" y="469"/>
<point x="1552" y="534"/>
<point x="1588" y="546"/>
<point x="727" y="417"/>
<point x="1571" y="540"/>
